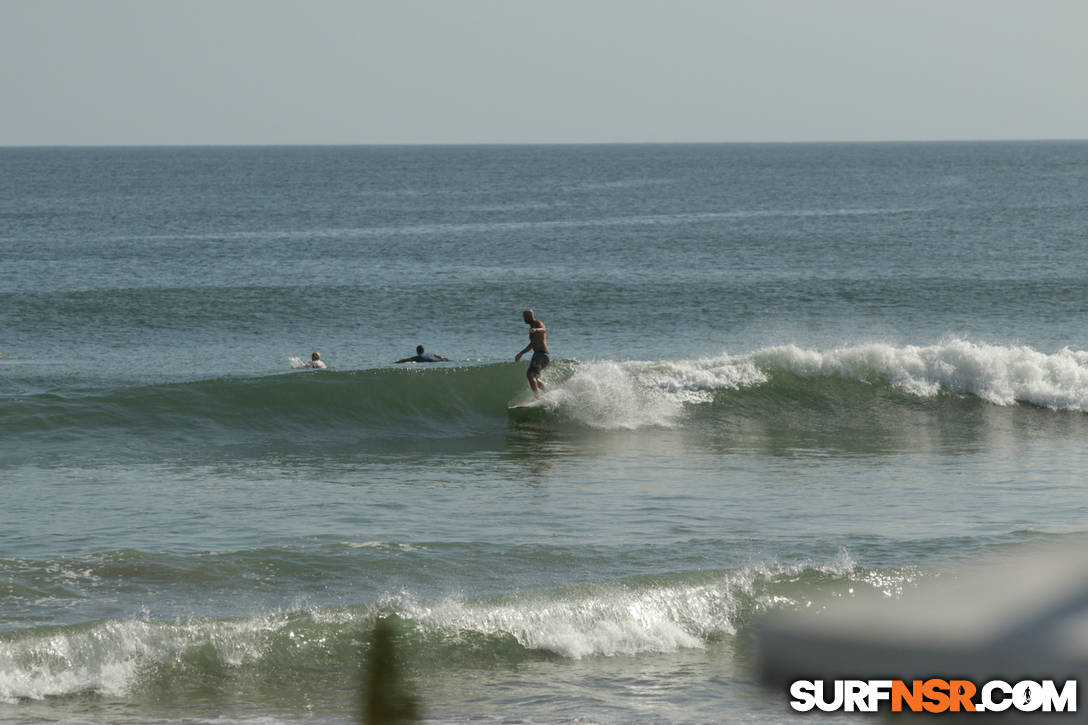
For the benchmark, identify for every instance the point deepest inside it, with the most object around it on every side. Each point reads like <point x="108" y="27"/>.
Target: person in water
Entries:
<point x="538" y="343"/>
<point x="316" y="362"/>
<point x="420" y="356"/>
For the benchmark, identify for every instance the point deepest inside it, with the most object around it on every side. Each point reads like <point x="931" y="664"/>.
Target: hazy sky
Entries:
<point x="509" y="71"/>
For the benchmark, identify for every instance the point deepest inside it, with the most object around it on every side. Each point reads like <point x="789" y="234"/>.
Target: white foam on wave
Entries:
<point x="606" y="623"/>
<point x="603" y="619"/>
<point x="620" y="618"/>
<point x="634" y="395"/>
<point x="108" y="657"/>
<point x="387" y="545"/>
<point x="1002" y="375"/>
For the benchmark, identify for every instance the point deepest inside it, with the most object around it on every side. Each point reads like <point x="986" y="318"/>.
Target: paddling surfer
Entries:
<point x="317" y="363"/>
<point x="421" y="356"/>
<point x="538" y="343"/>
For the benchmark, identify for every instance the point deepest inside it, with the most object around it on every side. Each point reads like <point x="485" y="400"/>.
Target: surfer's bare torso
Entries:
<point x="538" y="343"/>
<point x="538" y="337"/>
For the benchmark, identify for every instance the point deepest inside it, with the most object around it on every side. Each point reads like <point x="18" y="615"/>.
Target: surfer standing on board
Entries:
<point x="538" y="343"/>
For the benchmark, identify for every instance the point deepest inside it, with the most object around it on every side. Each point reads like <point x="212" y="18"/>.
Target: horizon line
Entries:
<point x="493" y="144"/>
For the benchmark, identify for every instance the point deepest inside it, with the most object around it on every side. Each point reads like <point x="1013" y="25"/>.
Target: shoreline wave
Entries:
<point x="636" y="616"/>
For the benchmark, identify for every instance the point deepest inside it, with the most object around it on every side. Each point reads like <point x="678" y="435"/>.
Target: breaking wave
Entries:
<point x="625" y="617"/>
<point x="465" y="401"/>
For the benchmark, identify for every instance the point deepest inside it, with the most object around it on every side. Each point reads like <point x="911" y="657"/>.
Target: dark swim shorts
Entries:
<point x="539" y="362"/>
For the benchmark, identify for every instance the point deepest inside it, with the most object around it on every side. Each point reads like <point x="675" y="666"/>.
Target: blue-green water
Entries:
<point x="779" y="373"/>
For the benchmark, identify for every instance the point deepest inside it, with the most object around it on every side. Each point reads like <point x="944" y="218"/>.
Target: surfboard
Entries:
<point x="531" y="404"/>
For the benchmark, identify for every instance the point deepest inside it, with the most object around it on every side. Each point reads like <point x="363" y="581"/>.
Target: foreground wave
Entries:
<point x="304" y="650"/>
<point x="607" y="395"/>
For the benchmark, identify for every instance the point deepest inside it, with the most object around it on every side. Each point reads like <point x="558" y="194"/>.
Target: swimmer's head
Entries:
<point x="316" y="356"/>
<point x="528" y="316"/>
<point x="419" y="349"/>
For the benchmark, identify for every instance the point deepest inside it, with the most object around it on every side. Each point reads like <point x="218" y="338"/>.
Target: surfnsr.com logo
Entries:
<point x="933" y="696"/>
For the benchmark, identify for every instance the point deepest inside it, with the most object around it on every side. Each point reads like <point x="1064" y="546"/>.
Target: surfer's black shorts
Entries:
<point x="539" y="362"/>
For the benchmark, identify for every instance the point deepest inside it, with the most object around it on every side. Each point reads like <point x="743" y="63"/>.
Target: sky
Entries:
<point x="211" y="72"/>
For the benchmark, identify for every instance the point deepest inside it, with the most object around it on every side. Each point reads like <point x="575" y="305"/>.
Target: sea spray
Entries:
<point x="612" y="396"/>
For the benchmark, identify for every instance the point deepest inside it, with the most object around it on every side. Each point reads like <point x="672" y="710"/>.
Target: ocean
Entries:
<point x="781" y="375"/>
